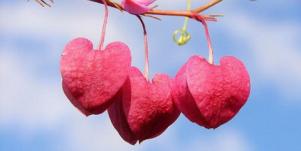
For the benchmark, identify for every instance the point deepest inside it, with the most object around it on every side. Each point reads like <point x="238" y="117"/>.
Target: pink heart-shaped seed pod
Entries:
<point x="143" y="109"/>
<point x="91" y="78"/>
<point x="210" y="95"/>
<point x="136" y="6"/>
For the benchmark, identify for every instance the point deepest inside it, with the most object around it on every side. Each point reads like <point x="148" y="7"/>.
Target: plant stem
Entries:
<point x="104" y="25"/>
<point x="207" y="35"/>
<point x="146" y="60"/>
<point x="191" y="14"/>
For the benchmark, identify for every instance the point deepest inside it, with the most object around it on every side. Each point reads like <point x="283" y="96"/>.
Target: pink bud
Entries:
<point x="136" y="6"/>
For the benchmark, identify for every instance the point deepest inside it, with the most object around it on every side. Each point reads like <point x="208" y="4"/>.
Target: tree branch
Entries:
<point x="208" y="5"/>
<point x="189" y="14"/>
<point x="43" y="3"/>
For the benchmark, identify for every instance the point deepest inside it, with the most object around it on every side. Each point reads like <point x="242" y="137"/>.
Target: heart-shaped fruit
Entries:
<point x="211" y="95"/>
<point x="92" y="77"/>
<point x="143" y="109"/>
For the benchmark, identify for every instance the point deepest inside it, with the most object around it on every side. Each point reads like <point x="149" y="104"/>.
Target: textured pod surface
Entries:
<point x="92" y="77"/>
<point x="145" y="108"/>
<point x="211" y="95"/>
<point x="184" y="100"/>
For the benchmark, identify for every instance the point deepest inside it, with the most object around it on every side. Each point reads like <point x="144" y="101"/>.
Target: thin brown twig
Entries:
<point x="205" y="7"/>
<point x="43" y="3"/>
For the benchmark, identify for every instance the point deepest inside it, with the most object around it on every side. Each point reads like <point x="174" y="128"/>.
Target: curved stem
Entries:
<point x="203" y="21"/>
<point x="146" y="60"/>
<point x="104" y="25"/>
<point x="184" y="35"/>
<point x="188" y="7"/>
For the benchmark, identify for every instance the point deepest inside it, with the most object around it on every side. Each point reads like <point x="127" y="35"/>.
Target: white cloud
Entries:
<point x="27" y="100"/>
<point x="274" y="49"/>
<point x="212" y="140"/>
<point x="228" y="140"/>
<point x="60" y="20"/>
<point x="91" y="134"/>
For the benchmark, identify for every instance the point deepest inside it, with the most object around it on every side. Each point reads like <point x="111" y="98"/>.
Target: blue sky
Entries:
<point x="35" y="114"/>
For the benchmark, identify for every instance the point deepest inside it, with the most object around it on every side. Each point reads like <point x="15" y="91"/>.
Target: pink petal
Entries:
<point x="136" y="6"/>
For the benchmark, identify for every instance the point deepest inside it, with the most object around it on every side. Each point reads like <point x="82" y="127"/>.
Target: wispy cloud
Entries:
<point x="25" y="99"/>
<point x="45" y="22"/>
<point x="274" y="50"/>
<point x="228" y="140"/>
